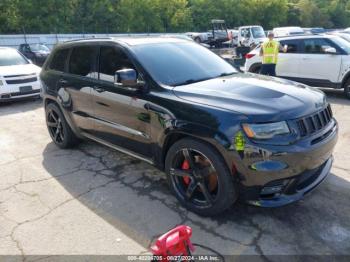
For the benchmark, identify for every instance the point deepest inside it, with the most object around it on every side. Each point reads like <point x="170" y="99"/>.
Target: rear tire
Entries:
<point x="255" y="70"/>
<point x="59" y="130"/>
<point x="211" y="188"/>
<point x="347" y="89"/>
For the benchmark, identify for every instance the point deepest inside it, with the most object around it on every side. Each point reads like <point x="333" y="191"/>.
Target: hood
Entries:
<point x="260" y="98"/>
<point x="43" y="53"/>
<point x="19" y="70"/>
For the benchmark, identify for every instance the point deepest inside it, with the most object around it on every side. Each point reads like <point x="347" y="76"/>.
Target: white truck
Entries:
<point x="251" y="36"/>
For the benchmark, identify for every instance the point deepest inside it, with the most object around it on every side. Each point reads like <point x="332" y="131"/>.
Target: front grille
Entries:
<point x="10" y="76"/>
<point x="21" y="81"/>
<point x="25" y="93"/>
<point x="311" y="124"/>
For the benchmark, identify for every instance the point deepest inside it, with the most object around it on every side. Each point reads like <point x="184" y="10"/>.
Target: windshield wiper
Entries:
<point x="227" y="74"/>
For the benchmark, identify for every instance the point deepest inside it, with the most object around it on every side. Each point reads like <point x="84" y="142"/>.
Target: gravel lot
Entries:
<point x="92" y="200"/>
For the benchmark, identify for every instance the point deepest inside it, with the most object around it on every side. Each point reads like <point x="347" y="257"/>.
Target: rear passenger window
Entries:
<point x="59" y="59"/>
<point x="82" y="61"/>
<point x="292" y="46"/>
<point x="112" y="59"/>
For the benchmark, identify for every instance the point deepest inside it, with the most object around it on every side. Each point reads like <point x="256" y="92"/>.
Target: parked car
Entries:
<point x="288" y="31"/>
<point x="316" y="60"/>
<point x="18" y="77"/>
<point x="37" y="53"/>
<point x="251" y="36"/>
<point x="215" y="37"/>
<point x="218" y="134"/>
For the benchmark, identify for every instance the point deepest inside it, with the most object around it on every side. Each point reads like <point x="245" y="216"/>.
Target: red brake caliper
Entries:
<point x="186" y="166"/>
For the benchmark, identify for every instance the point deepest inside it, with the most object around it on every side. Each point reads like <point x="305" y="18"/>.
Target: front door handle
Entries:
<point x="99" y="89"/>
<point x="63" y="82"/>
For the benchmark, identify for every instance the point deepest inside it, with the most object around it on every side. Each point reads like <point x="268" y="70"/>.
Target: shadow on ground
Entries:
<point x="134" y="197"/>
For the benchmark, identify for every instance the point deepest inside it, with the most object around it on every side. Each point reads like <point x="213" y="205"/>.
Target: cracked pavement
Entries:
<point x="91" y="200"/>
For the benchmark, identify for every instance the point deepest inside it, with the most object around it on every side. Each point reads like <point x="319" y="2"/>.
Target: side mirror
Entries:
<point x="127" y="78"/>
<point x="330" y="50"/>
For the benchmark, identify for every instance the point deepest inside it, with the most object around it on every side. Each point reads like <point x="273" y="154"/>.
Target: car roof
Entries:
<point x="306" y="36"/>
<point x="132" y="40"/>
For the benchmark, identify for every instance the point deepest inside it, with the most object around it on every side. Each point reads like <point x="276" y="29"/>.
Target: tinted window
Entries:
<point x="59" y="59"/>
<point x="343" y="44"/>
<point x="39" y="47"/>
<point x="180" y="63"/>
<point x="315" y="46"/>
<point x="293" y="46"/>
<point x="82" y="61"/>
<point x="9" y="57"/>
<point x="112" y="59"/>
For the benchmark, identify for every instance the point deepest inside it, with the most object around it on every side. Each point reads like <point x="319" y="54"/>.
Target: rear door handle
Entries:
<point x="99" y="89"/>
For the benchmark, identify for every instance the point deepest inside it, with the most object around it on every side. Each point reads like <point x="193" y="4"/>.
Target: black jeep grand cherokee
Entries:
<point x="218" y="134"/>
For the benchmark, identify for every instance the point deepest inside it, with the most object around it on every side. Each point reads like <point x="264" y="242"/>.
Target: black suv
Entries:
<point x="37" y="53"/>
<point x="217" y="133"/>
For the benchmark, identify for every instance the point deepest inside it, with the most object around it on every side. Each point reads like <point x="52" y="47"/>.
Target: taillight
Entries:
<point x="248" y="56"/>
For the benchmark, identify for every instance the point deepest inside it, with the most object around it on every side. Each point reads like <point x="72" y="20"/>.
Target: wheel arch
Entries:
<point x="345" y="79"/>
<point x="216" y="141"/>
<point x="254" y="66"/>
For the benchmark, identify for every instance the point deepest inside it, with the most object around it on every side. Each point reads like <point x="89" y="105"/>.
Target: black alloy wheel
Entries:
<point x="194" y="177"/>
<point x="59" y="130"/>
<point x="54" y="124"/>
<point x="199" y="177"/>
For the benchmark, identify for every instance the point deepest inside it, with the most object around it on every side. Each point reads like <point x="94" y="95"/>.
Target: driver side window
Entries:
<point x="112" y="59"/>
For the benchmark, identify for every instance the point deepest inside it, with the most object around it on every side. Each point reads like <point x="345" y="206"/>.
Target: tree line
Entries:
<point x="134" y="16"/>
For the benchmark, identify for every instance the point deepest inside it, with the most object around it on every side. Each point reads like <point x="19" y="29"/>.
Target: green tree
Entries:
<point x="9" y="17"/>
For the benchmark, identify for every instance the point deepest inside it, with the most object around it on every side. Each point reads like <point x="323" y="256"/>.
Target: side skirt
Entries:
<point x="120" y="149"/>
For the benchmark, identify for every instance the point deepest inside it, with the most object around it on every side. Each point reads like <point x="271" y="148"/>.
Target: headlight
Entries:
<point x="1" y="83"/>
<point x="266" y="131"/>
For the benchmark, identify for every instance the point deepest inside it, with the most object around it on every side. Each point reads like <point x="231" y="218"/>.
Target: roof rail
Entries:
<point x="88" y="38"/>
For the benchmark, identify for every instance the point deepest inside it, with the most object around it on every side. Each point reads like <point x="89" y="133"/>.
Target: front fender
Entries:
<point x="216" y="138"/>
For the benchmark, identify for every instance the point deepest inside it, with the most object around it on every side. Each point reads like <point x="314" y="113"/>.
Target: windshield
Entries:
<point x="345" y="36"/>
<point x="176" y="64"/>
<point x="343" y="44"/>
<point x="9" y="57"/>
<point x="258" y="32"/>
<point x="38" y="47"/>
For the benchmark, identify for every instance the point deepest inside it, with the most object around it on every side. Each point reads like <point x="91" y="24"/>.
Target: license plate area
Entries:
<point x="25" y="89"/>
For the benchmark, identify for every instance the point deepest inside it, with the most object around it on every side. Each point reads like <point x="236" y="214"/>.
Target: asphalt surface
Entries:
<point x="94" y="201"/>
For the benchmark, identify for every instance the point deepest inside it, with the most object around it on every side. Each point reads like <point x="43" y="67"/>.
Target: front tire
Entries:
<point x="200" y="178"/>
<point x="347" y="89"/>
<point x="59" y="130"/>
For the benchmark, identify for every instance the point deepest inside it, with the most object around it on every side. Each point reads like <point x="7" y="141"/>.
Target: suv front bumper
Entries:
<point x="285" y="173"/>
<point x="296" y="188"/>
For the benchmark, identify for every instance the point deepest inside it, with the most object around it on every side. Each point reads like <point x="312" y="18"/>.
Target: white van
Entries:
<point x="251" y="35"/>
<point x="287" y="31"/>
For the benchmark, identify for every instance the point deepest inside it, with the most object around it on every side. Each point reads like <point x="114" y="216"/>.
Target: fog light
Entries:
<point x="269" y="165"/>
<point x="271" y="190"/>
